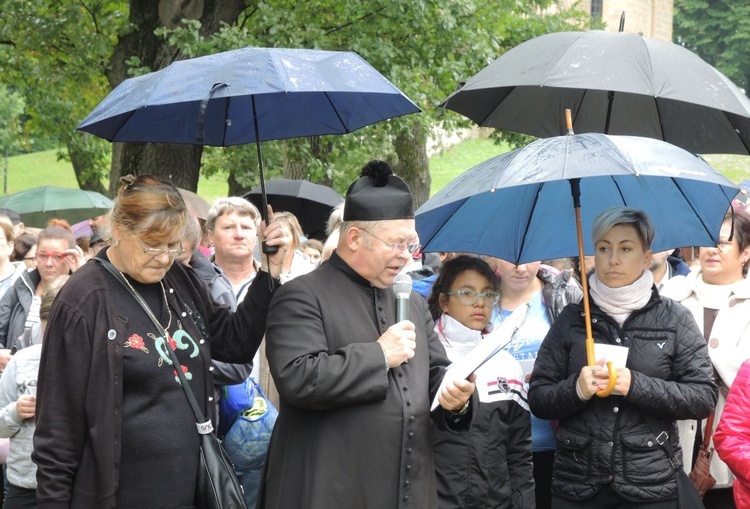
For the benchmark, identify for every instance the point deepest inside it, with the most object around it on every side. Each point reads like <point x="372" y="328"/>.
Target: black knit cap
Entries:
<point x="378" y="194"/>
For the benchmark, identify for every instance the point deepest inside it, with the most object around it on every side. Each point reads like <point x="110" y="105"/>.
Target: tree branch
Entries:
<point x="331" y="30"/>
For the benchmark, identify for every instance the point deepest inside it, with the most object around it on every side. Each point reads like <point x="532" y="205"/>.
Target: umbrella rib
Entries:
<point x="700" y="218"/>
<point x="492" y="110"/>
<point x="333" y="107"/>
<point x="742" y="140"/>
<point x="658" y="115"/>
<point x="528" y="223"/>
<point x="226" y="124"/>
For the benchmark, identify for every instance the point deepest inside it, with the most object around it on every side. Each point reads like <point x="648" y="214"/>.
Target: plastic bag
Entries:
<point x="247" y="440"/>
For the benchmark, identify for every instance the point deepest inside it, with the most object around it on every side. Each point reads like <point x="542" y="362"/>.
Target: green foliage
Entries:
<point x="11" y="108"/>
<point x="59" y="52"/>
<point x="426" y="48"/>
<point x="56" y="52"/>
<point x="718" y="31"/>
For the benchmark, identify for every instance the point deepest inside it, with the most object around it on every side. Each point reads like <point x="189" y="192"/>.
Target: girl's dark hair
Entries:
<point x="448" y="274"/>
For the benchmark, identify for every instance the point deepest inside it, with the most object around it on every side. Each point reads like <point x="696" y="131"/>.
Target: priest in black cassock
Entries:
<point x="354" y="421"/>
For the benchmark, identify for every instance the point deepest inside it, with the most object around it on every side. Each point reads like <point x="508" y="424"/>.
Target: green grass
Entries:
<point x="735" y="168"/>
<point x="43" y="168"/>
<point x="451" y="162"/>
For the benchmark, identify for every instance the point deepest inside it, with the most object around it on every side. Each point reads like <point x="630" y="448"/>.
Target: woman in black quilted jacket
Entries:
<point x="607" y="454"/>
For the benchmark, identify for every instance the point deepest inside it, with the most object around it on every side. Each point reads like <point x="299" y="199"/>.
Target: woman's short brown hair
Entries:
<point x="150" y="207"/>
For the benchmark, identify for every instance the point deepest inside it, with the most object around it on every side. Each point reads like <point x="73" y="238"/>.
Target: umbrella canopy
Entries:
<point x="614" y="83"/>
<point x="518" y="206"/>
<point x="198" y="205"/>
<point x="38" y="205"/>
<point x="310" y="203"/>
<point x="247" y="95"/>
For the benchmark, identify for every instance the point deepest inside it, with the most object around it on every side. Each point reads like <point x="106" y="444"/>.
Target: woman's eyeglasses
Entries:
<point x="156" y="251"/>
<point x="43" y="257"/>
<point x="470" y="297"/>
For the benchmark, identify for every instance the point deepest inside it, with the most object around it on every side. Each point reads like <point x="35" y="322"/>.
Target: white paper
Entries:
<point x="617" y="355"/>
<point x="491" y="344"/>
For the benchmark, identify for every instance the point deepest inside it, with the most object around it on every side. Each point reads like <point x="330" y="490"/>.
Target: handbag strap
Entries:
<point x="662" y="438"/>
<point x="709" y="430"/>
<point x="204" y="426"/>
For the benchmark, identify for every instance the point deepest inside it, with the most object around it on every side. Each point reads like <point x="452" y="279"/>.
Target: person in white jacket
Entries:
<point x="18" y="409"/>
<point x="718" y="295"/>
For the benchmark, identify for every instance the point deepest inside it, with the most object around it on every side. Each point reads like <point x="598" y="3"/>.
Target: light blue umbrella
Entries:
<point x="519" y="206"/>
<point x="535" y="203"/>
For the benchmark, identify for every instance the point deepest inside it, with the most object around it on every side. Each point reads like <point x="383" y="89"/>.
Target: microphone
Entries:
<point x="402" y="288"/>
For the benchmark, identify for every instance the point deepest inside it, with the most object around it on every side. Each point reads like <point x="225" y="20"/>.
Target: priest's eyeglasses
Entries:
<point x="470" y="297"/>
<point x="411" y="247"/>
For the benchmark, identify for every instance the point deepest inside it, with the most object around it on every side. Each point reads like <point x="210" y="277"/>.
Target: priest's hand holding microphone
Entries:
<point x="399" y="344"/>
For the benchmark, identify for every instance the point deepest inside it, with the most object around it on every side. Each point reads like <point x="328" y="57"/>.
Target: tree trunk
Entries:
<point x="179" y="163"/>
<point x="413" y="164"/>
<point x="236" y="188"/>
<point x="294" y="163"/>
<point x="83" y="177"/>
<point x="164" y="160"/>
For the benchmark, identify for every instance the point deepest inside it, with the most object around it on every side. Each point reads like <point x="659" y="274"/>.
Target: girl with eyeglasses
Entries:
<point x="490" y="467"/>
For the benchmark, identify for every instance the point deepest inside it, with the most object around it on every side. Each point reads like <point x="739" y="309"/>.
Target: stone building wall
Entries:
<point x="650" y="18"/>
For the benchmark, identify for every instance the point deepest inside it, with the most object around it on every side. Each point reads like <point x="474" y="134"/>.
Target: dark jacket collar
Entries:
<point x="338" y="263"/>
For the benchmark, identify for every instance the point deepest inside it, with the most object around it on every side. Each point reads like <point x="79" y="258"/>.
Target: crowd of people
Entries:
<point x="96" y="417"/>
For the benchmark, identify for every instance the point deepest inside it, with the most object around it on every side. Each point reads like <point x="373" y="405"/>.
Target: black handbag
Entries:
<point x="216" y="486"/>
<point x="687" y="495"/>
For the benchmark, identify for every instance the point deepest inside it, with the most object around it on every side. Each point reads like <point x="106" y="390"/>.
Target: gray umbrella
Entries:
<point x="614" y="83"/>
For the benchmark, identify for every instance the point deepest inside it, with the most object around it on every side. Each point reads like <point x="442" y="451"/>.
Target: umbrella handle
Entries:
<point x="603" y="393"/>
<point x="591" y="359"/>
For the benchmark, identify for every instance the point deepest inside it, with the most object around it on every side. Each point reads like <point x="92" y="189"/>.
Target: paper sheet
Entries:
<point x="489" y="346"/>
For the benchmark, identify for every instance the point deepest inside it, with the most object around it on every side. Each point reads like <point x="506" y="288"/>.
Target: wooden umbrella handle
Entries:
<point x="603" y="393"/>
<point x="591" y="359"/>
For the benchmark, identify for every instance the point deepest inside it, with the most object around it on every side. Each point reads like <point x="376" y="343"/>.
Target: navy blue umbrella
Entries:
<point x="519" y="206"/>
<point x="249" y="95"/>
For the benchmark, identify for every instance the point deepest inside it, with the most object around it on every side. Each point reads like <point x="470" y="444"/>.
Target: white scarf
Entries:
<point x="620" y="302"/>
<point x="715" y="296"/>
<point x="457" y="335"/>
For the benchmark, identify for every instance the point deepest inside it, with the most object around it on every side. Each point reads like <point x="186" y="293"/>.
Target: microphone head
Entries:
<point x="402" y="285"/>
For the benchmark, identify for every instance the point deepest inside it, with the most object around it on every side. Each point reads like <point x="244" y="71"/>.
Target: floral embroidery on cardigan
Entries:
<point x="179" y="340"/>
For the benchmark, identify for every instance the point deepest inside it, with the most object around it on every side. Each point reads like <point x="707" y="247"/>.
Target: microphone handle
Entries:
<point x="402" y="308"/>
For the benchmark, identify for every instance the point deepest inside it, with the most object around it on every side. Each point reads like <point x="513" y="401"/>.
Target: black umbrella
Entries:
<point x="614" y="83"/>
<point x="310" y="203"/>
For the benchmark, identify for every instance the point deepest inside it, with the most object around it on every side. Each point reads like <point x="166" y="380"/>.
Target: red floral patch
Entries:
<point x="135" y="341"/>
<point x="184" y="370"/>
